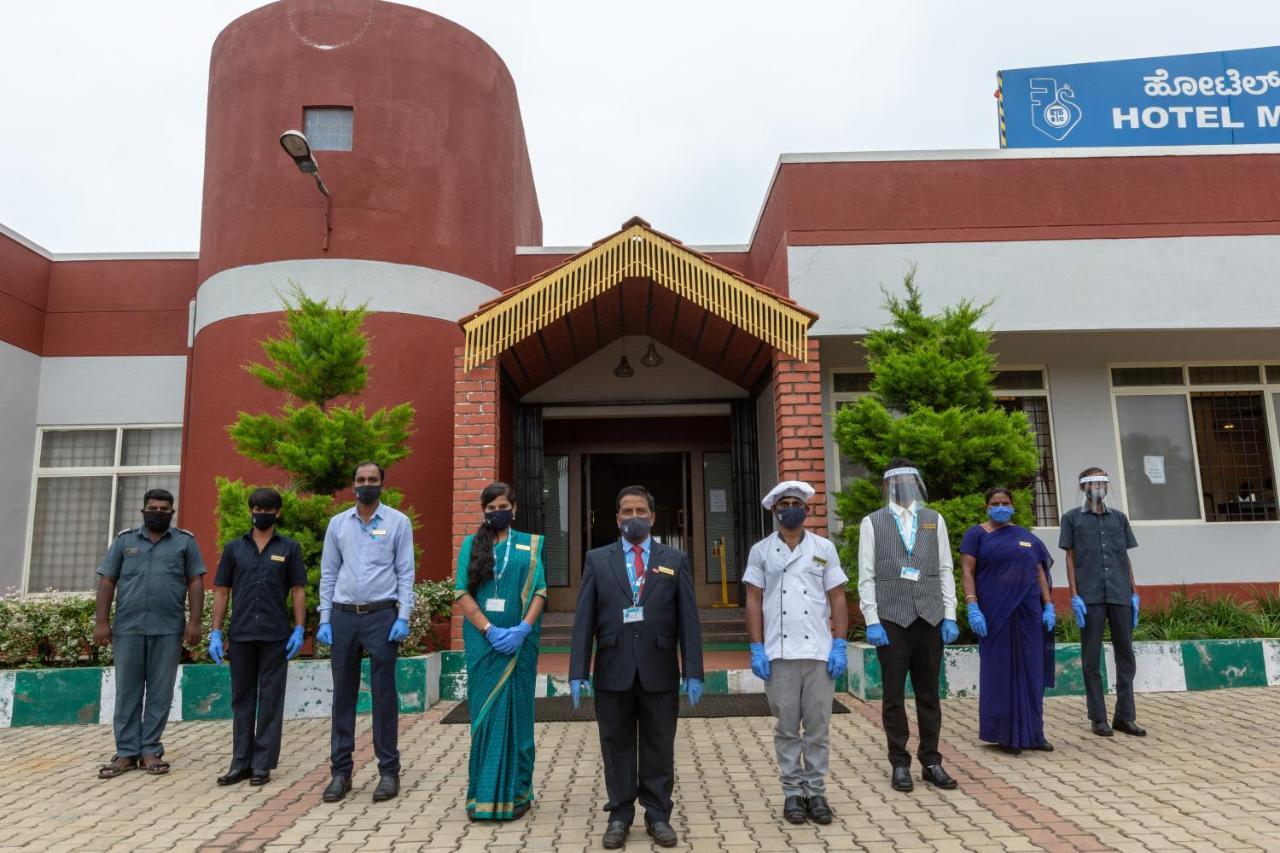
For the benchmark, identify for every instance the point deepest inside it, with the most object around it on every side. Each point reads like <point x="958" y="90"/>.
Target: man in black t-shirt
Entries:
<point x="260" y="570"/>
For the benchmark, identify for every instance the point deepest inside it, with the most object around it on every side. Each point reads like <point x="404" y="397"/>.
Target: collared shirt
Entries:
<point x="797" y="612"/>
<point x="365" y="563"/>
<point x="629" y="556"/>
<point x="1099" y="544"/>
<point x="260" y="582"/>
<point x="867" y="563"/>
<point x="151" y="580"/>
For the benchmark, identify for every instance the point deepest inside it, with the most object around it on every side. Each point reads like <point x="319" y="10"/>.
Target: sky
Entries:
<point x="674" y="110"/>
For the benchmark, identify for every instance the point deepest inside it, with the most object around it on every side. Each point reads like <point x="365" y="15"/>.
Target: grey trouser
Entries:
<point x="145" y="665"/>
<point x="800" y="694"/>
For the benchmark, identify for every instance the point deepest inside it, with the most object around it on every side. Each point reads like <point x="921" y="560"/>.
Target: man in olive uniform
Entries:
<point x="149" y="571"/>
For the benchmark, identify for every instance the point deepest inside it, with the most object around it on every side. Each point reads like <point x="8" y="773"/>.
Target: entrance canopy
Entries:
<point x="637" y="281"/>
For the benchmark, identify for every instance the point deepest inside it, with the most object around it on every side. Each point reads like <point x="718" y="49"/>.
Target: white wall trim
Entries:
<point x="126" y="256"/>
<point x="385" y="287"/>
<point x="25" y="243"/>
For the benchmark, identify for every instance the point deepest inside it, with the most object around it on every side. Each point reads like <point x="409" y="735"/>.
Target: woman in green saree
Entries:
<point x="501" y="591"/>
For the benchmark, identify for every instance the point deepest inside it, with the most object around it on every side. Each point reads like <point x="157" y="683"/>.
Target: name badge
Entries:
<point x="1025" y="544"/>
<point x="820" y="561"/>
<point x="382" y="532"/>
<point x="277" y="558"/>
<point x="666" y="571"/>
<point x="910" y="573"/>
<point x="522" y="547"/>
<point x="632" y="614"/>
<point x="495" y="605"/>
<point x="929" y="526"/>
<point x="131" y="552"/>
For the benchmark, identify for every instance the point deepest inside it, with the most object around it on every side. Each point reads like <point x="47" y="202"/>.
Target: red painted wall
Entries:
<point x="119" y="307"/>
<point x="24" y="295"/>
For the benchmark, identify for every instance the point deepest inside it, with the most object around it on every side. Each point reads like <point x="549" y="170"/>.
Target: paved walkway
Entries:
<point x="1205" y="779"/>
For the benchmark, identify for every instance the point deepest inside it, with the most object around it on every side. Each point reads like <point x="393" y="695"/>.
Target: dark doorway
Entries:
<point x="665" y="475"/>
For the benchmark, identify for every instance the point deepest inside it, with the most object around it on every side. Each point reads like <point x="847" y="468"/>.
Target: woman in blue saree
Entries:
<point x="501" y="591"/>
<point x="1006" y="585"/>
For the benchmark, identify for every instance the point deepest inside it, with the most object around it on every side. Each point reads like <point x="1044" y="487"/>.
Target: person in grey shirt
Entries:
<point x="149" y="571"/>
<point x="366" y="597"/>
<point x="1096" y="538"/>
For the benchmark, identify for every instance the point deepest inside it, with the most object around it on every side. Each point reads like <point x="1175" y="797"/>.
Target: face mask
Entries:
<point x="368" y="494"/>
<point x="157" y="520"/>
<point x="499" y="519"/>
<point x="1000" y="513"/>
<point x="792" y="517"/>
<point x="635" y="529"/>
<point x="264" y="520"/>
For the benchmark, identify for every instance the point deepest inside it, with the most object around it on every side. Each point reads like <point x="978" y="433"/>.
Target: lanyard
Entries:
<point x="909" y="544"/>
<point x="633" y="577"/>
<point x="506" y="557"/>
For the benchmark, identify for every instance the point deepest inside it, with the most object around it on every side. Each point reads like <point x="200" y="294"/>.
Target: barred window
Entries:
<point x="1030" y="396"/>
<point x="328" y="128"/>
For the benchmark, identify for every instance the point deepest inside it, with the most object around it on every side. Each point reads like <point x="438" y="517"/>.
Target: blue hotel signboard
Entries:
<point x="1226" y="98"/>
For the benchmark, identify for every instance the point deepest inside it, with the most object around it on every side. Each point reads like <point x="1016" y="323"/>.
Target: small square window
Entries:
<point x="328" y="128"/>
<point x="851" y="382"/>
<point x="1019" y="380"/>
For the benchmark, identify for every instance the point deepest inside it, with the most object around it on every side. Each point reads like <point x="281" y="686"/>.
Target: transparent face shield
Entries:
<point x="1093" y="492"/>
<point x="904" y="486"/>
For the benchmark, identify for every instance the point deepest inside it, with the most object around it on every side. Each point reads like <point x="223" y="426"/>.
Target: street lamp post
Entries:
<point x="296" y="146"/>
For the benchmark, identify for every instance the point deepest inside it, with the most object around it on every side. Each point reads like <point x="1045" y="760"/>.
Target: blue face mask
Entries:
<point x="792" y="517"/>
<point x="1000" y="513"/>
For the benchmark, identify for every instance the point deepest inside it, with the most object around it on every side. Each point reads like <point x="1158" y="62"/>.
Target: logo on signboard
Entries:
<point x="1054" y="111"/>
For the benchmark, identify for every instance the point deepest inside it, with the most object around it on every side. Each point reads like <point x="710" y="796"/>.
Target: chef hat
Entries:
<point x="787" y="488"/>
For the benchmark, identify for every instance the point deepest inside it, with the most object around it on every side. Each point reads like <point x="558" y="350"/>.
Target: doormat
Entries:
<point x="559" y="709"/>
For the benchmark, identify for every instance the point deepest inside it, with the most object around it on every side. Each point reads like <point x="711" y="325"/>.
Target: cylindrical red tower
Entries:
<point x="427" y="208"/>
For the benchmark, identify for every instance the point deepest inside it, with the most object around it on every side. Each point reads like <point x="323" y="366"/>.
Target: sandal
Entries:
<point x="156" y="767"/>
<point x="117" y="766"/>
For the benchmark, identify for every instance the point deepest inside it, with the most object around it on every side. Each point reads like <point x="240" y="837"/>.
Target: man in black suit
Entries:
<point x="636" y="603"/>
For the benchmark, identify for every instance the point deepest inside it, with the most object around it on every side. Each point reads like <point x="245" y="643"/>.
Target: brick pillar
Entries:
<point x="475" y="452"/>
<point x="797" y="401"/>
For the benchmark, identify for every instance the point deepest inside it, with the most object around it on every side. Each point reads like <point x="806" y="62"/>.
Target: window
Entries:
<point x="1197" y="451"/>
<point x="847" y="389"/>
<point x="328" y="128"/>
<point x="1025" y="391"/>
<point x="89" y="485"/>
<point x="1135" y="376"/>
<point x="555" y="519"/>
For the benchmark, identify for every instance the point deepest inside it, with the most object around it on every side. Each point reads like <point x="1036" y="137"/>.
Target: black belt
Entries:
<point x="365" y="608"/>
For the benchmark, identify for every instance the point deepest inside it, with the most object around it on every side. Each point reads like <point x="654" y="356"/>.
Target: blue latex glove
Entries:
<point x="1077" y="607"/>
<point x="1049" y="616"/>
<point x="977" y="621"/>
<point x="399" y="631"/>
<point x="759" y="661"/>
<point x="693" y="689"/>
<point x="294" y="645"/>
<point x="950" y="631"/>
<point x="876" y="635"/>
<point x="575" y="690"/>
<point x="497" y="638"/>
<point x="509" y="642"/>
<point x="215" y="645"/>
<point x="324" y="634"/>
<point x="1134" y="598"/>
<point x="838" y="659"/>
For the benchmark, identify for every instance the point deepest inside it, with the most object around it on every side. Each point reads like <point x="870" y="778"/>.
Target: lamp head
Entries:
<point x="297" y="147"/>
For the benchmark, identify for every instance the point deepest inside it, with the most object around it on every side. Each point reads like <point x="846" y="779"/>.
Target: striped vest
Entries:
<point x="898" y="600"/>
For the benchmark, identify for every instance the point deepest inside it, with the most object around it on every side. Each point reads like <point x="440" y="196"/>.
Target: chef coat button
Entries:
<point x="784" y="636"/>
<point x="806" y="613"/>
<point x="784" y="613"/>
<point x="806" y="636"/>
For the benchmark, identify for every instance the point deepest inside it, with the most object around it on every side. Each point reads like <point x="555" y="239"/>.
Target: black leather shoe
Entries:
<point x="231" y="777"/>
<point x="1102" y="730"/>
<point x="339" y="787"/>
<point x="1129" y="727"/>
<point x="388" y="787"/>
<point x="1043" y="746"/>
<point x="902" y="779"/>
<point x="936" y="776"/>
<point x="1011" y="750"/>
<point x="616" y="834"/>
<point x="260" y="777"/>
<point x="661" y="833"/>
<point x="793" y="810"/>
<point x="819" y="810"/>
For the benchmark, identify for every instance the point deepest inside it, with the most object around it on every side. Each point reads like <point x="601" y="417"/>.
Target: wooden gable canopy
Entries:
<point x="646" y="268"/>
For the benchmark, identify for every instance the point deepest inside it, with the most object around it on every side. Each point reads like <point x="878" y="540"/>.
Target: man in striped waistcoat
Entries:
<point x="908" y="597"/>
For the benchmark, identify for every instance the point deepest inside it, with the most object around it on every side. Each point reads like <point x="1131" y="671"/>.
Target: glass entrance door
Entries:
<point x="665" y="475"/>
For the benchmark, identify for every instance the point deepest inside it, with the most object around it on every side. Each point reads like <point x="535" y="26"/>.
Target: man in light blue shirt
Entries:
<point x="366" y="596"/>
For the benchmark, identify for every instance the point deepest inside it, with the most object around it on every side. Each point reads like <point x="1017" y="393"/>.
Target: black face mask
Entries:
<point x="264" y="520"/>
<point x="499" y="519"/>
<point x="792" y="517"/>
<point x="635" y="529"/>
<point x="157" y="520"/>
<point x="368" y="494"/>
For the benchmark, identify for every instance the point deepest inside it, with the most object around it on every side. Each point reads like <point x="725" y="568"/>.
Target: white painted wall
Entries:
<point x="767" y="436"/>
<point x="592" y="379"/>
<point x="111" y="390"/>
<point x="1084" y="434"/>
<point x="19" y="391"/>
<point x="1076" y="285"/>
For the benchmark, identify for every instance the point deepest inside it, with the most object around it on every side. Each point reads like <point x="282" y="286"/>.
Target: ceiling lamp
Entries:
<point x="651" y="357"/>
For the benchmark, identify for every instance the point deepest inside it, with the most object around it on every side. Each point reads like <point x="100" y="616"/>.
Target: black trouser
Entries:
<point x="1120" y="616"/>
<point x="259" y="671"/>
<point x="354" y="633"/>
<point x="916" y="650"/>
<point x="627" y="718"/>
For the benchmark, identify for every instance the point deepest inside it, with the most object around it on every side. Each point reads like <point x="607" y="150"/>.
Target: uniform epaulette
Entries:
<point x="188" y="532"/>
<point x="126" y="530"/>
